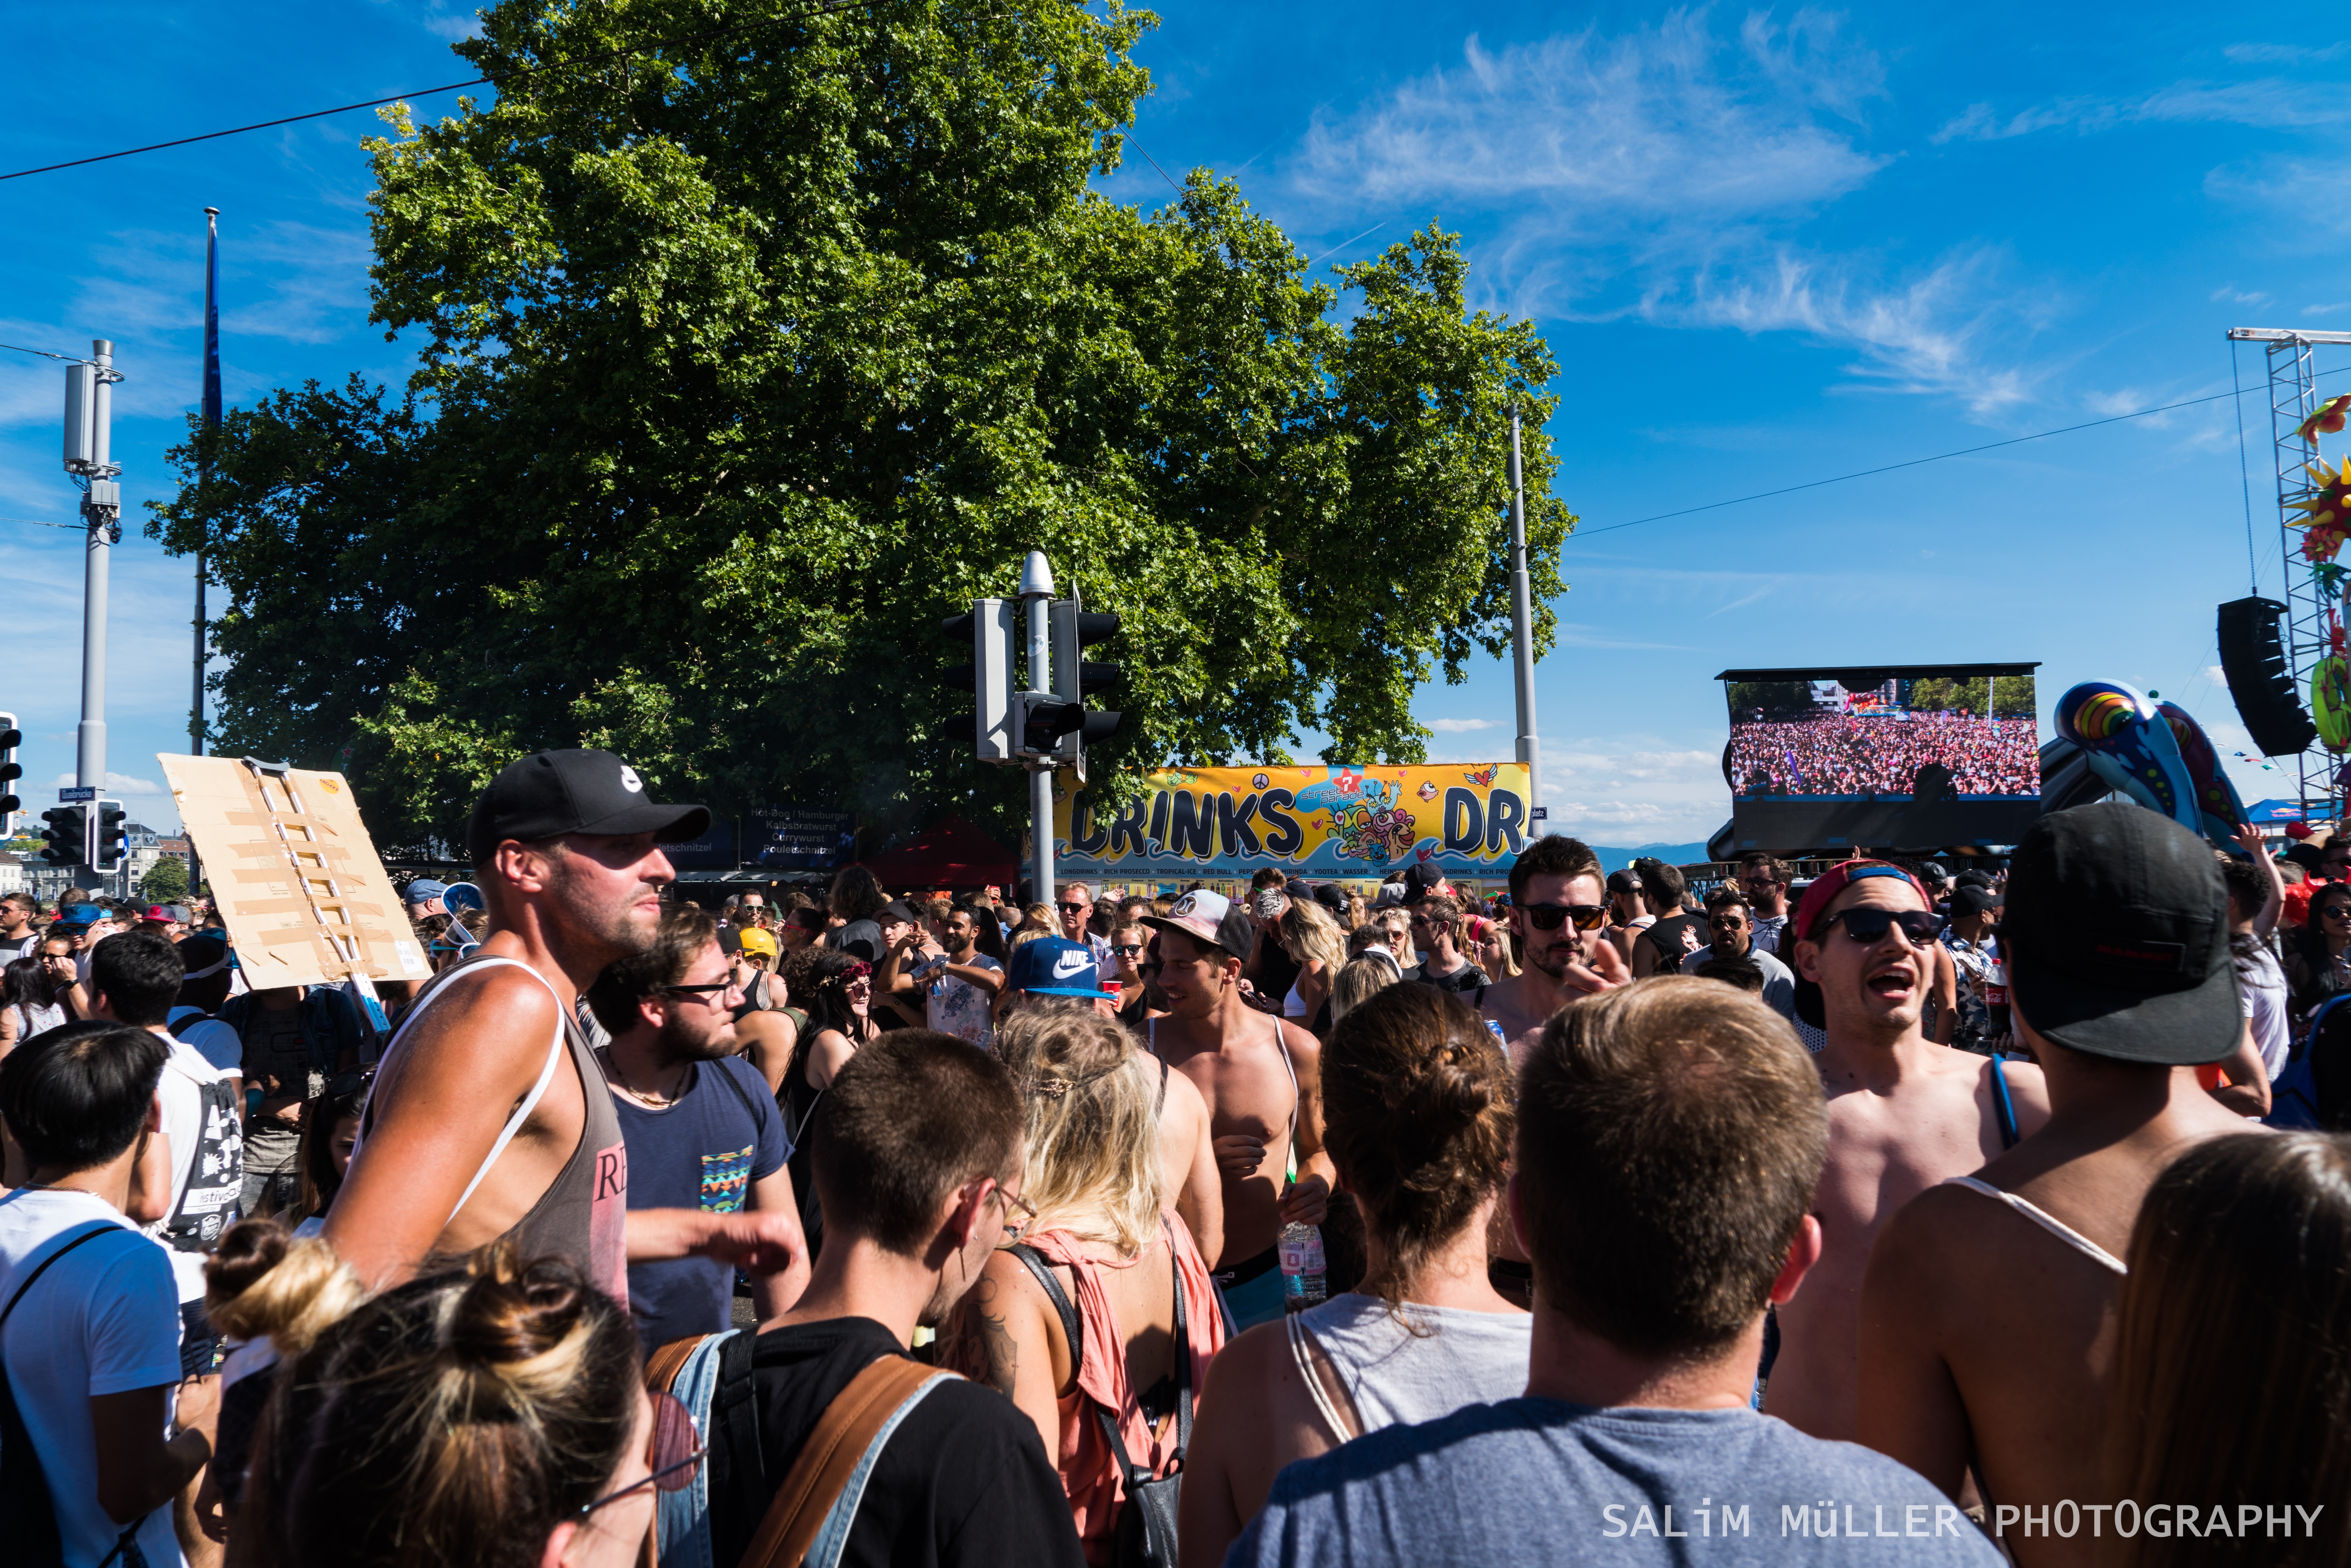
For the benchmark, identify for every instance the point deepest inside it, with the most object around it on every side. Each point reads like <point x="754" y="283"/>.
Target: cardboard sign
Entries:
<point x="293" y="873"/>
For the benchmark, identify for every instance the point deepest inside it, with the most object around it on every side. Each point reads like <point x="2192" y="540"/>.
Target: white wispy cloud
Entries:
<point x="1461" y="726"/>
<point x="2286" y="53"/>
<point x="1596" y="786"/>
<point x="2271" y="102"/>
<point x="1662" y="174"/>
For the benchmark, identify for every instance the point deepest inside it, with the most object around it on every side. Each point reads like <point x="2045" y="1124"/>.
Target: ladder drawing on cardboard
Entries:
<point x="295" y="874"/>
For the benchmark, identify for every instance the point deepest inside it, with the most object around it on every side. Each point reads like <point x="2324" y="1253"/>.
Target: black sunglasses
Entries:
<point x="344" y="1083"/>
<point x="1868" y="925"/>
<point x="1127" y="949"/>
<point x="1077" y="908"/>
<point x="1552" y="916"/>
<point x="2335" y="909"/>
<point x="1731" y="921"/>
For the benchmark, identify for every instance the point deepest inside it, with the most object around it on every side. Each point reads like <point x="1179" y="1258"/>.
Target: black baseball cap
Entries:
<point x="549" y="793"/>
<point x="2117" y="937"/>
<point x="1971" y="899"/>
<point x="899" y="909"/>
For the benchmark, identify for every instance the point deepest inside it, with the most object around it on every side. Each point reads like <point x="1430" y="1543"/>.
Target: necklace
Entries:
<point x="651" y="1101"/>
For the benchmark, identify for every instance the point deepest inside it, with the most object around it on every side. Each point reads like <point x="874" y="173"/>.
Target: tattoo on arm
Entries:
<point x="996" y="1341"/>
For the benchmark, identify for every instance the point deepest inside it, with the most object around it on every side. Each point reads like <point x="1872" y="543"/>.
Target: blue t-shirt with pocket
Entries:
<point x="703" y="1152"/>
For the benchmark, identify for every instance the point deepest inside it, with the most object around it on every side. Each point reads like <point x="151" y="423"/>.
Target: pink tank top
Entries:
<point x="1089" y="1474"/>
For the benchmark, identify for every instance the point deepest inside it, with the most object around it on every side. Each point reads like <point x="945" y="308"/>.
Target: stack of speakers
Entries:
<point x="2259" y="681"/>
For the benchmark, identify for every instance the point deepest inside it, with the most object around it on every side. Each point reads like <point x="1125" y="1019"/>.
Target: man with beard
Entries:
<point x="702" y="1130"/>
<point x="490" y="1119"/>
<point x="1261" y="1078"/>
<point x="1559" y="917"/>
<point x="1904" y="1114"/>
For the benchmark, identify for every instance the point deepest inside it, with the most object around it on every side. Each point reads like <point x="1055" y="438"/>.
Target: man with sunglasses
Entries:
<point x="1904" y="1114"/>
<point x="702" y="1127"/>
<point x="1436" y="926"/>
<point x="1728" y="920"/>
<point x="952" y="984"/>
<point x="1073" y="905"/>
<point x="1765" y="882"/>
<point x="1559" y="917"/>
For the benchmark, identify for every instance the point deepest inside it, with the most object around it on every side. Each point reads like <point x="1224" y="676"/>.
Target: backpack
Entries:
<point x="24" y="1501"/>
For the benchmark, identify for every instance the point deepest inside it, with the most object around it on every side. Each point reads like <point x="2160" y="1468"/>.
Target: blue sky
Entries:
<point x="1766" y="246"/>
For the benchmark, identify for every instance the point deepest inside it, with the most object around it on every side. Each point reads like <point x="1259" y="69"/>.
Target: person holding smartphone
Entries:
<point x="952" y="981"/>
<point x="1559" y="915"/>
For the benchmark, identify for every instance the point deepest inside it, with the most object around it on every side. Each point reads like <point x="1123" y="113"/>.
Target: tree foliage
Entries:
<point x="746" y="360"/>
<point x="166" y="881"/>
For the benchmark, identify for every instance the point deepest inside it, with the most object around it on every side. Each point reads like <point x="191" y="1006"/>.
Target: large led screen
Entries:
<point x="1900" y="757"/>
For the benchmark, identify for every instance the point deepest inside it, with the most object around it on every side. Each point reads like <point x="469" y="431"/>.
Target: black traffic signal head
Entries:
<point x="66" y="835"/>
<point x="110" y="844"/>
<point x="987" y="629"/>
<point x="11" y="737"/>
<point x="1076" y="678"/>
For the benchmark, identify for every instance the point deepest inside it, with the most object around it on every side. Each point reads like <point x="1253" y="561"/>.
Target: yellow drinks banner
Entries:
<point x="1325" y="822"/>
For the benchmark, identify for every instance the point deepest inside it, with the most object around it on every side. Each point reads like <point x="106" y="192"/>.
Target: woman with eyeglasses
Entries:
<point x="492" y="1415"/>
<point x="2316" y="966"/>
<point x="1099" y="1319"/>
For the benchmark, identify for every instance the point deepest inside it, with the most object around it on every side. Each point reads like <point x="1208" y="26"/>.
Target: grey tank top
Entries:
<point x="582" y="1216"/>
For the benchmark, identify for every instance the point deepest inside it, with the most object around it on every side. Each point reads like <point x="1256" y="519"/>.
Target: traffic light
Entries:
<point x="67" y="835"/>
<point x="988" y="628"/>
<point x="110" y="845"/>
<point x="11" y="770"/>
<point x="1076" y="678"/>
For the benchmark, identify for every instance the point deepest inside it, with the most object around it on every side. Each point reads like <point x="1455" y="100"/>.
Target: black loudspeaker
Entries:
<point x="2259" y="681"/>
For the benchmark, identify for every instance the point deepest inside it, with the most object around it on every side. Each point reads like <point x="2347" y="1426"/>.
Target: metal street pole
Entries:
<point x="212" y="415"/>
<point x="1522" y="634"/>
<point x="1037" y="593"/>
<point x="89" y="416"/>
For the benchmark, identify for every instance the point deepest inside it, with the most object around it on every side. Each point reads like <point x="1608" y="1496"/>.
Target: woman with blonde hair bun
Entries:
<point x="492" y="1417"/>
<point x="1100" y="1321"/>
<point x="1418" y="1118"/>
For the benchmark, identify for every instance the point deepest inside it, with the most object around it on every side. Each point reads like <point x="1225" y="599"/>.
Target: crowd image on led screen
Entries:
<point x="1861" y="747"/>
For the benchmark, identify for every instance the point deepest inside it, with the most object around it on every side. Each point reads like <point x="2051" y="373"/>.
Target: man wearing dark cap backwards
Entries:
<point x="1987" y="1319"/>
<point x="1904" y="1114"/>
<point x="490" y="1119"/>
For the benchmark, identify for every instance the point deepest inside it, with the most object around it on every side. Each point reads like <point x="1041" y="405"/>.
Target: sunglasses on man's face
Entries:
<point x="1075" y="908"/>
<point x="1868" y="926"/>
<point x="1552" y="916"/>
<point x="1728" y="922"/>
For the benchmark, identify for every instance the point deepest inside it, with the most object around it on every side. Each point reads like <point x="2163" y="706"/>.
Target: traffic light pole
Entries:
<point x="89" y="439"/>
<point x="1522" y="640"/>
<point x="1036" y="596"/>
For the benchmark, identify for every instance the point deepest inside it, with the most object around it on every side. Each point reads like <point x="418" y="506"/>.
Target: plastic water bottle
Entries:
<point x="1305" y="1277"/>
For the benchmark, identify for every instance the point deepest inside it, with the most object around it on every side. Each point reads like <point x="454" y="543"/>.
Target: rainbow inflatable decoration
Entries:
<point x="2156" y="754"/>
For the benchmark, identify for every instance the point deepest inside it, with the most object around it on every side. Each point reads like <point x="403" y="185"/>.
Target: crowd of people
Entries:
<point x="1591" y="1222"/>
<point x="1848" y="756"/>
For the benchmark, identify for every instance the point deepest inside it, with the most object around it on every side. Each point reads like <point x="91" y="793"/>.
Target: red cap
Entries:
<point x="1836" y="879"/>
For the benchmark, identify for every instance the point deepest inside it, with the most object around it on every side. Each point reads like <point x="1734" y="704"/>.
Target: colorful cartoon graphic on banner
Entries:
<point x="1344" y="824"/>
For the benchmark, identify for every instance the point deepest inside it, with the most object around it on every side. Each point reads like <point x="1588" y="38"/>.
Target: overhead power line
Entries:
<point x="586" y="63"/>
<point x="1911" y="462"/>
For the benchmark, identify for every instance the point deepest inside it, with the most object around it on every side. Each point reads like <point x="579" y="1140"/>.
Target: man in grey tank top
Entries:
<point x="490" y="1119"/>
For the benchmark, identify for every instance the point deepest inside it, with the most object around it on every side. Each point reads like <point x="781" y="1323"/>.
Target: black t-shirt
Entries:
<point x="1668" y="938"/>
<point x="1467" y="977"/>
<point x="963" y="1480"/>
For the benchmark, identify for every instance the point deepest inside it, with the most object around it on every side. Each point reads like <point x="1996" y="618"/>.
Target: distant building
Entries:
<point x="12" y="873"/>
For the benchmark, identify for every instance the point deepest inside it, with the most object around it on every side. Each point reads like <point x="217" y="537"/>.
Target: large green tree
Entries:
<point x="754" y="341"/>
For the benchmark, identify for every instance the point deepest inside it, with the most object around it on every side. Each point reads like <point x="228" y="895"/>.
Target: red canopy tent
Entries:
<point x="950" y="853"/>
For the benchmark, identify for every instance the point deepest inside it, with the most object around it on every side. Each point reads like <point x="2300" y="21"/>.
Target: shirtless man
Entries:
<point x="479" y="1129"/>
<point x="1987" y="1316"/>
<point x="1905" y="1113"/>
<point x="1559" y="917"/>
<point x="1258" y="1078"/>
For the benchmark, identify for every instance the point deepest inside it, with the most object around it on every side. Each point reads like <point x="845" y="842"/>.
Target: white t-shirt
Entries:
<point x="960" y="1009"/>
<point x="2261" y="993"/>
<point x="184" y="1125"/>
<point x="1396" y="1376"/>
<point x="103" y="1320"/>
<point x="213" y="1040"/>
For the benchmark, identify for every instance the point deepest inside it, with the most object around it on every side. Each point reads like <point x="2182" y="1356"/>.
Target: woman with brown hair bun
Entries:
<point x="492" y="1417"/>
<point x="1417" y="1118"/>
<point x="2232" y="1359"/>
